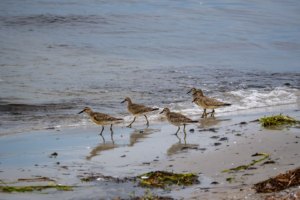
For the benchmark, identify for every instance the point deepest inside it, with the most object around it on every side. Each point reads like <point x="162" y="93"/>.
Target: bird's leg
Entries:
<point x="102" y="130"/>
<point x="131" y="123"/>
<point x="103" y="138"/>
<point x="147" y="120"/>
<point x="204" y="113"/>
<point x="212" y="113"/>
<point x="111" y="127"/>
<point x="178" y="138"/>
<point x="184" y="133"/>
<point x="112" y="138"/>
<point x="177" y="130"/>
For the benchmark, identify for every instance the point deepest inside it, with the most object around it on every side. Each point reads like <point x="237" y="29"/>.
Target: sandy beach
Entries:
<point x="58" y="57"/>
<point x="215" y="145"/>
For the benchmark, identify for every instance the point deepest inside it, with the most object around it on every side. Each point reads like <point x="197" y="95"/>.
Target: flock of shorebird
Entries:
<point x="176" y="119"/>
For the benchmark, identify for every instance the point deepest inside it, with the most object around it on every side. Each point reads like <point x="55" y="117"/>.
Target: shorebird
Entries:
<point x="137" y="109"/>
<point x="198" y="94"/>
<point x="207" y="102"/>
<point x="177" y="119"/>
<point x="100" y="118"/>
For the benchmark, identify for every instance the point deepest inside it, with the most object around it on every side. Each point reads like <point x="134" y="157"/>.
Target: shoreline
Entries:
<point x="156" y="118"/>
<point x="82" y="151"/>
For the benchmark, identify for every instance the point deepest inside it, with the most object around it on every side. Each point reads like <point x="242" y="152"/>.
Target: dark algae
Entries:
<point x="6" y="188"/>
<point x="230" y="179"/>
<point x="147" y="196"/>
<point x="277" y="120"/>
<point x="94" y="177"/>
<point x="279" y="182"/>
<point x="162" y="179"/>
<point x="251" y="164"/>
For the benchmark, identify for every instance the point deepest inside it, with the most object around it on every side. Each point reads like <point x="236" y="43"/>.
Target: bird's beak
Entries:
<point x="123" y="101"/>
<point x="189" y="91"/>
<point x="161" y="112"/>
<point x="80" y="112"/>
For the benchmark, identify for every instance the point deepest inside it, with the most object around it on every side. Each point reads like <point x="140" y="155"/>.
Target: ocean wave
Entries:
<point x="242" y="100"/>
<point x="48" y="19"/>
<point x="246" y="100"/>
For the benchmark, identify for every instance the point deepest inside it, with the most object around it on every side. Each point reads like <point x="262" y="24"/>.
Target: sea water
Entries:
<point x="57" y="57"/>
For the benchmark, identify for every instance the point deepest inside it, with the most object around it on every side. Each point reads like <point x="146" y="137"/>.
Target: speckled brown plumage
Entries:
<point x="138" y="109"/>
<point x="177" y="119"/>
<point x="100" y="118"/>
<point x="206" y="102"/>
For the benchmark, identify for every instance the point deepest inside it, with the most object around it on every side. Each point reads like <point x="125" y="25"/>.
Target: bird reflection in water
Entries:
<point x="105" y="146"/>
<point x="179" y="137"/>
<point x="210" y="122"/>
<point x="138" y="135"/>
<point x="179" y="147"/>
<point x="111" y="136"/>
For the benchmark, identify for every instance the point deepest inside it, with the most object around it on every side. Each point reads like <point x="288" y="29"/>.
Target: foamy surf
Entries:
<point x="241" y="100"/>
<point x="247" y="101"/>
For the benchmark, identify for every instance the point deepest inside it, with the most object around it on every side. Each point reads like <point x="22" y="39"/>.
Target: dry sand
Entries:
<point x="81" y="151"/>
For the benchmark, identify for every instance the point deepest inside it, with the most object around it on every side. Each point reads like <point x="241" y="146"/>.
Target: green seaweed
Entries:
<point x="161" y="179"/>
<point x="132" y="194"/>
<point x="277" y="120"/>
<point x="150" y="196"/>
<point x="88" y="179"/>
<point x="10" y="189"/>
<point x="230" y="179"/>
<point x="147" y="196"/>
<point x="251" y="164"/>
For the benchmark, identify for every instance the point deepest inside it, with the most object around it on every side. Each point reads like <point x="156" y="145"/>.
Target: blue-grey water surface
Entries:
<point x="57" y="57"/>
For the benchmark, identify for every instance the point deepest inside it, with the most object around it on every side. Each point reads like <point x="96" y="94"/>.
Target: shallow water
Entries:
<point x="82" y="152"/>
<point x="60" y="56"/>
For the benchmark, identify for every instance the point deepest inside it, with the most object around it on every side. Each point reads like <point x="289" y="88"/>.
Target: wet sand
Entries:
<point x="133" y="151"/>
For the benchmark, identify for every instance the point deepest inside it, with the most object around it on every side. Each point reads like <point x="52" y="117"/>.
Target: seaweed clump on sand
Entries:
<point x="7" y="188"/>
<point x="152" y="198"/>
<point x="277" y="120"/>
<point x="279" y="182"/>
<point x="162" y="179"/>
<point x="251" y="164"/>
<point x="147" y="196"/>
<point x="93" y="177"/>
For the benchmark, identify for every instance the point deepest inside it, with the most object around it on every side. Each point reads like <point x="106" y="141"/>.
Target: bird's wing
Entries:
<point x="197" y="101"/>
<point x="103" y="117"/>
<point x="139" y="108"/>
<point x="212" y="102"/>
<point x="177" y="117"/>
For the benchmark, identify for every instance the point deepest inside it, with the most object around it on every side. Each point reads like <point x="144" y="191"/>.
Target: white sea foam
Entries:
<point x="241" y="100"/>
<point x="246" y="101"/>
<point x="249" y="99"/>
